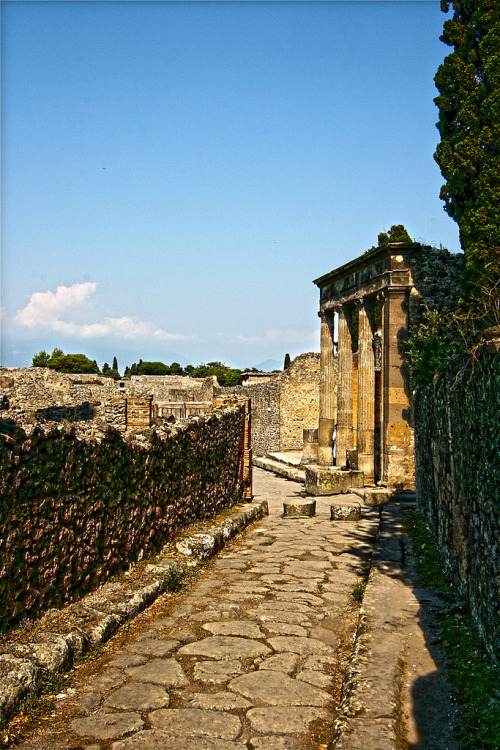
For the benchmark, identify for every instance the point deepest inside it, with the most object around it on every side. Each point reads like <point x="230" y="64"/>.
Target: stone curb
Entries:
<point x="63" y="635"/>
<point x="283" y="470"/>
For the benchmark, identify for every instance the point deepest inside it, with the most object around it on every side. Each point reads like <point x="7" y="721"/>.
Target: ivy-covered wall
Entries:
<point x="75" y="510"/>
<point x="457" y="453"/>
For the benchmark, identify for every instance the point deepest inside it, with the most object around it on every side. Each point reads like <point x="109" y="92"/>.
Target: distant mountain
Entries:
<point x="269" y="365"/>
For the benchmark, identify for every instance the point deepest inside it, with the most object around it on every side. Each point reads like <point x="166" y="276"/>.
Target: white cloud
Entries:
<point x="45" y="310"/>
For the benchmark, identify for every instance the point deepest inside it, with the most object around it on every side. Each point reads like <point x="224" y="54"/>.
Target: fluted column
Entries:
<point x="344" y="392"/>
<point x="398" y="467"/>
<point x="366" y="392"/>
<point x="327" y="395"/>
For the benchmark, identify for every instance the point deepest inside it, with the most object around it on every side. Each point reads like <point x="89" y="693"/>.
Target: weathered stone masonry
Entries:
<point x="457" y="453"/>
<point x="381" y="276"/>
<point x="76" y="509"/>
<point x="283" y="406"/>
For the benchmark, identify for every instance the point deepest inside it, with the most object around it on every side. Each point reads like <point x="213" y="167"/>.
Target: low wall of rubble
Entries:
<point x="77" y="508"/>
<point x="457" y="454"/>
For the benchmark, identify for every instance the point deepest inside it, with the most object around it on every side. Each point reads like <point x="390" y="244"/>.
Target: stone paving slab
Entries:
<point x="64" y="635"/>
<point x="260" y="655"/>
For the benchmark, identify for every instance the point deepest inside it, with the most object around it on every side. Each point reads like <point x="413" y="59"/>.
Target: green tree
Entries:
<point x="397" y="233"/>
<point x="429" y="349"/>
<point x="71" y="363"/>
<point x="176" y="369"/>
<point x="41" y="359"/>
<point x="226" y="376"/>
<point x="468" y="153"/>
<point x="287" y="361"/>
<point x="115" y="364"/>
<point x="152" y="368"/>
<point x="105" y="368"/>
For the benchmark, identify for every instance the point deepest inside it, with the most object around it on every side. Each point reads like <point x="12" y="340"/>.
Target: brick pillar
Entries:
<point x="344" y="392"/>
<point x="366" y="392"/>
<point x="398" y="468"/>
<point x="326" y="392"/>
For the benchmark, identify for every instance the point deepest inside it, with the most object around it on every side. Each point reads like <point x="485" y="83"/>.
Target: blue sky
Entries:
<point x="175" y="174"/>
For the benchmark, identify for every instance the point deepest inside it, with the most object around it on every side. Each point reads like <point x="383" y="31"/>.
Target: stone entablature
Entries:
<point x="366" y="276"/>
<point x="381" y="277"/>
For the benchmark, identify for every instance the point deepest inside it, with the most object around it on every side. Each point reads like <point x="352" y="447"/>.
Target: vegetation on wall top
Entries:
<point x="79" y="363"/>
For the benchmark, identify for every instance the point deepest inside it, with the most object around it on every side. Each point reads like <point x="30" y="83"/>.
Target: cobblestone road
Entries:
<point x="250" y="658"/>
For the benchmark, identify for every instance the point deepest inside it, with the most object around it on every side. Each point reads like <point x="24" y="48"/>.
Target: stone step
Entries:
<point x="382" y="495"/>
<point x="292" y="458"/>
<point x="280" y="468"/>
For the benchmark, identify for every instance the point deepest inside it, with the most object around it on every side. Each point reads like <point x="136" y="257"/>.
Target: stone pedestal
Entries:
<point x="331" y="480"/>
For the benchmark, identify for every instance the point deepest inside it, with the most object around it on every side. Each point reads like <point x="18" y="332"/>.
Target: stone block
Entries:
<point x="345" y="512"/>
<point x="203" y="546"/>
<point x="310" y="447"/>
<point x="331" y="480"/>
<point x="296" y="509"/>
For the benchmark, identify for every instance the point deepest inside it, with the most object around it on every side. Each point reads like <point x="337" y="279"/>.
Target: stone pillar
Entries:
<point x="344" y="392"/>
<point x="398" y="468"/>
<point x="366" y="392"/>
<point x="326" y="391"/>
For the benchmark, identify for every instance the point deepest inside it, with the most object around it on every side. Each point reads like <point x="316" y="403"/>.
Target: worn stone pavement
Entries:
<point x="250" y="658"/>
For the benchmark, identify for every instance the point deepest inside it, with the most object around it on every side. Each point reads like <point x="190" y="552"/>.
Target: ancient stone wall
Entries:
<point x="265" y="398"/>
<point x="172" y="388"/>
<point x="299" y="400"/>
<point x="457" y="453"/>
<point x="31" y="388"/>
<point x="76" y="509"/>
<point x="39" y="393"/>
<point x="282" y="406"/>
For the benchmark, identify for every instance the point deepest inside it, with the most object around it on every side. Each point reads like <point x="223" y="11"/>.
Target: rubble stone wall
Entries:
<point x="299" y="400"/>
<point x="172" y="388"/>
<point x="282" y="406"/>
<point x="76" y="509"/>
<point x="30" y="388"/>
<point x="457" y="454"/>
<point x="265" y="398"/>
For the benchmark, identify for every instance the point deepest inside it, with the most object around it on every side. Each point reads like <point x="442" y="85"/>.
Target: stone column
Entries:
<point x="366" y="392"/>
<point x="326" y="391"/>
<point x="344" y="392"/>
<point x="398" y="468"/>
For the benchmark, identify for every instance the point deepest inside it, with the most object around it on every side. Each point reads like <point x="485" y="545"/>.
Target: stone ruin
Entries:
<point x="364" y="399"/>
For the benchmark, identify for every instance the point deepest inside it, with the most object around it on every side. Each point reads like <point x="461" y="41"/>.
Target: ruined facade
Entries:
<point x="283" y="405"/>
<point x="374" y="433"/>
